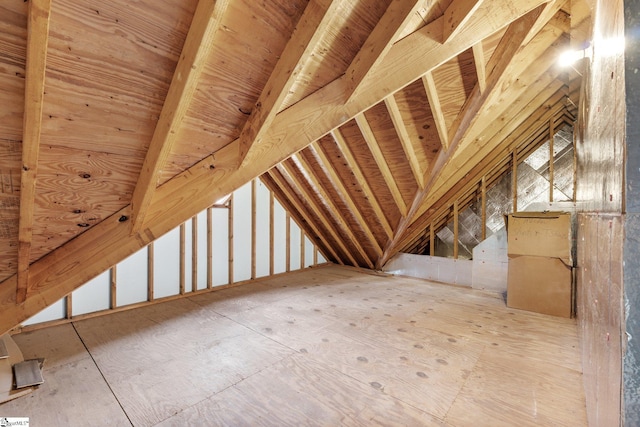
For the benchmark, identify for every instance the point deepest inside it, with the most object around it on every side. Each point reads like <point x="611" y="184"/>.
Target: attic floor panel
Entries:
<point x="326" y="346"/>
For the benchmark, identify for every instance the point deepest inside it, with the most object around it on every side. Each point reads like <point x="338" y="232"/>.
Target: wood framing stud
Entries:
<point x="456" y="229"/>
<point x="483" y="208"/>
<point x="551" y="157"/>
<point x="39" y="13"/>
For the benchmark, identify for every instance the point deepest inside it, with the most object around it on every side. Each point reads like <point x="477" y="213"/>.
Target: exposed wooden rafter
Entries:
<point x="457" y="15"/>
<point x="379" y="42"/>
<point x="37" y="42"/>
<point x="196" y="49"/>
<point x="311" y="27"/>
<point x="436" y="109"/>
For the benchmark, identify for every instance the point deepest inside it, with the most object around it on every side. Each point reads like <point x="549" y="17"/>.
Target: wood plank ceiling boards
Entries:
<point x="366" y="119"/>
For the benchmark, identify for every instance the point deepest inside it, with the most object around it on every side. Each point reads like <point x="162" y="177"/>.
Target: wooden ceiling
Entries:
<point x="122" y="119"/>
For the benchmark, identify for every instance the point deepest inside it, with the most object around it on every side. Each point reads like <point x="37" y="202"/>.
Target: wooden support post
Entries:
<point x="254" y="190"/>
<point x="69" y="306"/>
<point x="231" y="239"/>
<point x="209" y="248"/>
<point x="432" y="238"/>
<point x="575" y="169"/>
<point x="194" y="253"/>
<point x="456" y="227"/>
<point x="315" y="255"/>
<point x="301" y="249"/>
<point x="150" y="275"/>
<point x="514" y="179"/>
<point x="288" y="245"/>
<point x="551" y="157"/>
<point x="113" y="300"/>
<point x="182" y="258"/>
<point x="271" y="229"/>
<point x="483" y="207"/>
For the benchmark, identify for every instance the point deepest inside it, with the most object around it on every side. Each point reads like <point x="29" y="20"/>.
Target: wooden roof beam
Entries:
<point x="310" y="28"/>
<point x="506" y="51"/>
<point x="324" y="196"/>
<point x="83" y="257"/>
<point x="276" y="176"/>
<point x="362" y="181"/>
<point x="385" y="170"/>
<point x="337" y="183"/>
<point x="457" y="15"/>
<point x="394" y="20"/>
<point x="317" y="211"/>
<point x="479" y="62"/>
<point x="407" y="145"/>
<point x="196" y="49"/>
<point x="36" y="63"/>
<point x="436" y="109"/>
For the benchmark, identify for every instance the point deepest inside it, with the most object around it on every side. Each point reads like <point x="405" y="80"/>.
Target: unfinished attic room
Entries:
<point x="319" y="213"/>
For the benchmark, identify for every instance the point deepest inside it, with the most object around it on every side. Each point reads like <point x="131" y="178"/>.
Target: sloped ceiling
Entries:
<point x="120" y="120"/>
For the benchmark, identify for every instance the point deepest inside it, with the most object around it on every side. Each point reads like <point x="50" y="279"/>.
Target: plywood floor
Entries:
<point x="330" y="346"/>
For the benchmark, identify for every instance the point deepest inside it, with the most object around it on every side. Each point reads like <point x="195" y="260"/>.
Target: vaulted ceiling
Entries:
<point x="369" y="119"/>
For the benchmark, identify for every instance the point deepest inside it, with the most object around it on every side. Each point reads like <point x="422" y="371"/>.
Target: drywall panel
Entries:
<point x="166" y="264"/>
<point x="56" y="311"/>
<point x="490" y="263"/>
<point x="202" y="254"/>
<point x="242" y="233"/>
<point x="262" y="229"/>
<point x="294" y="243"/>
<point x="279" y="239"/>
<point x="132" y="279"/>
<point x="220" y="246"/>
<point x="445" y="270"/>
<point x="93" y="295"/>
<point x="308" y="252"/>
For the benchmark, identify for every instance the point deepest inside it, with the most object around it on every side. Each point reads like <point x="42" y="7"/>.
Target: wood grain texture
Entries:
<point x="329" y="346"/>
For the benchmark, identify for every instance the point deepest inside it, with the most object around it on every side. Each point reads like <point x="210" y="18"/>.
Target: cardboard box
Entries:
<point x="539" y="248"/>
<point x="545" y="234"/>
<point x="539" y="284"/>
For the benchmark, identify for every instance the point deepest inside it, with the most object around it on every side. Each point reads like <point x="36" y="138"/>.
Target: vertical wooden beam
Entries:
<point x="551" y="157"/>
<point x="194" y="253"/>
<point x="231" y="208"/>
<point x="196" y="50"/>
<point x="288" y="234"/>
<point x="514" y="180"/>
<point x="432" y="238"/>
<point x="456" y="229"/>
<point x="183" y="235"/>
<point x="36" y="63"/>
<point x="271" y="230"/>
<point x="150" y="272"/>
<point x="113" y="296"/>
<point x="575" y="168"/>
<point x="483" y="207"/>
<point x="254" y="185"/>
<point x="301" y="249"/>
<point x="315" y="255"/>
<point x="69" y="306"/>
<point x="209" y="248"/>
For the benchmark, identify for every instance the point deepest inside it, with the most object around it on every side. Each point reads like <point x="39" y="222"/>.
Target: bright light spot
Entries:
<point x="570" y="57"/>
<point x="611" y="46"/>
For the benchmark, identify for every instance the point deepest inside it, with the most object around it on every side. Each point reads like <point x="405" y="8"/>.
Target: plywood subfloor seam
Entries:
<point x="475" y="365"/>
<point x="95" y="363"/>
